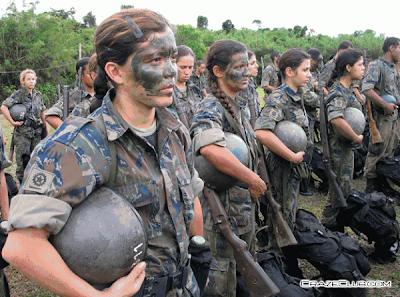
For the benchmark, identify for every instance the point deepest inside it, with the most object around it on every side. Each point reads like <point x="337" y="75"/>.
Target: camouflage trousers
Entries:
<point x="222" y="274"/>
<point x="23" y="146"/>
<point x="342" y="156"/>
<point x="389" y="134"/>
<point x="285" y="180"/>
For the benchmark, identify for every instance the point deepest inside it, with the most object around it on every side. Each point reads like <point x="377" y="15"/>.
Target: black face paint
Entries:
<point x="238" y="69"/>
<point x="154" y="65"/>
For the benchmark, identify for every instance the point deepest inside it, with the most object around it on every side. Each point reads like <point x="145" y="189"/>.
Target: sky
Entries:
<point x="344" y="17"/>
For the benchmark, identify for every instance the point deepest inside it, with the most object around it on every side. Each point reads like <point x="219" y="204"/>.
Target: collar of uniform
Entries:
<point x="116" y="126"/>
<point x="291" y="93"/>
<point x="392" y="65"/>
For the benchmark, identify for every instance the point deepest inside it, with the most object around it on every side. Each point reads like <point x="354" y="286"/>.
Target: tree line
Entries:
<point x="49" y="43"/>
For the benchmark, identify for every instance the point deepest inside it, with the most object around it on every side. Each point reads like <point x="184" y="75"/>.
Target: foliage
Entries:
<point x="49" y="43"/>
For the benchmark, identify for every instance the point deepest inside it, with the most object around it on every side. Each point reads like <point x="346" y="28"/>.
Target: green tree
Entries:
<point x="89" y="20"/>
<point x="193" y="38"/>
<point x="258" y="23"/>
<point x="127" y="6"/>
<point x="227" y="26"/>
<point x="202" y="22"/>
<point x="61" y="13"/>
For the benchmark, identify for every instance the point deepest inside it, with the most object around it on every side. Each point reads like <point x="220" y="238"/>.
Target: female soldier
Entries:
<point x="342" y="139"/>
<point x="186" y="96"/>
<point x="27" y="133"/>
<point x="286" y="167"/>
<point x="136" y="51"/>
<point x="225" y="111"/>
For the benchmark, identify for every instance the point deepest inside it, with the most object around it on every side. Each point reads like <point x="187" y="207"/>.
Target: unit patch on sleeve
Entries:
<point x="38" y="180"/>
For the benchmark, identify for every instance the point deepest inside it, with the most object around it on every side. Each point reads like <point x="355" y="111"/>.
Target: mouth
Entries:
<point x="168" y="89"/>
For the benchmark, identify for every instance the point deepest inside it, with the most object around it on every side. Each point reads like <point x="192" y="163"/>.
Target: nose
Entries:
<point x="246" y="71"/>
<point x="170" y="69"/>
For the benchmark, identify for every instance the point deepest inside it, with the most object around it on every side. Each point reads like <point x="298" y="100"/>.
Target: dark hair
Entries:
<point x="220" y="54"/>
<point x="347" y="57"/>
<point x="115" y="39"/>
<point x="274" y="54"/>
<point x="199" y="62"/>
<point x="291" y="58"/>
<point x="184" y="51"/>
<point x="314" y="53"/>
<point x="82" y="62"/>
<point x="344" y="44"/>
<point x="389" y="42"/>
<point x="250" y="54"/>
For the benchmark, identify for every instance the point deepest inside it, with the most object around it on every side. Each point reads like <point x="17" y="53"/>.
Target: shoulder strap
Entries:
<point x="113" y="152"/>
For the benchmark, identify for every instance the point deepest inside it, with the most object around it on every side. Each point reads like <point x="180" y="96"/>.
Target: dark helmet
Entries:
<point x="292" y="135"/>
<point x="103" y="239"/>
<point x="212" y="177"/>
<point x="355" y="118"/>
<point x="18" y="112"/>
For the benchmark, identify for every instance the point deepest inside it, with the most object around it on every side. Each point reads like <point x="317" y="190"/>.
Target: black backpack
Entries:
<point x="390" y="168"/>
<point x="336" y="255"/>
<point x="373" y="215"/>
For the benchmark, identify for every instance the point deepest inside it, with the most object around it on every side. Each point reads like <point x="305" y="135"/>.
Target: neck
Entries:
<point x="180" y="84"/>
<point x="89" y="89"/>
<point x="198" y="73"/>
<point x="388" y="57"/>
<point x="134" y="113"/>
<point x="346" y="81"/>
<point x="292" y="86"/>
<point x="228" y="91"/>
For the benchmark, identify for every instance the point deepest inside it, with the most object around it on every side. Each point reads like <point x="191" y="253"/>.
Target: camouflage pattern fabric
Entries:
<point x="342" y="151"/>
<point x="326" y="72"/>
<point x="208" y="127"/>
<point x="2" y="151"/>
<point x="269" y="77"/>
<point x="187" y="100"/>
<point x="284" y="104"/>
<point x="199" y="81"/>
<point x="160" y="182"/>
<point x="74" y="100"/>
<point x="26" y="137"/>
<point x="83" y="108"/>
<point x="251" y="94"/>
<point x="383" y="78"/>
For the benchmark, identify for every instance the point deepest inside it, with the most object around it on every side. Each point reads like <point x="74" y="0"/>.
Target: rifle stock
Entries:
<point x="65" y="102"/>
<point x="335" y="192"/>
<point x="257" y="281"/>
<point x="284" y="236"/>
<point x="375" y="134"/>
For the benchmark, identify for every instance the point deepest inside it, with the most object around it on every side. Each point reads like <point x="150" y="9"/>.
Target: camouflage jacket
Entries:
<point x="74" y="100"/>
<point x="83" y="108"/>
<point x="34" y="107"/>
<point x="199" y="81"/>
<point x="326" y="72"/>
<point x="187" y="101"/>
<point x="311" y="99"/>
<point x="250" y="93"/>
<point x="383" y="78"/>
<point x="338" y="99"/>
<point x="160" y="182"/>
<point x="208" y="127"/>
<point x="269" y="76"/>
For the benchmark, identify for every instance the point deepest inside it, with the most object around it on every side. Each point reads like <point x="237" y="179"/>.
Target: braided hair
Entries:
<point x="220" y="54"/>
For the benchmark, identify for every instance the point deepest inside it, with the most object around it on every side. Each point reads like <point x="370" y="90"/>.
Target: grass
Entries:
<point x="21" y="286"/>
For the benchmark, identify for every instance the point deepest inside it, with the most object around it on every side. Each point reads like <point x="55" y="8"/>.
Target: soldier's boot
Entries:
<point x="371" y="185"/>
<point x="305" y="187"/>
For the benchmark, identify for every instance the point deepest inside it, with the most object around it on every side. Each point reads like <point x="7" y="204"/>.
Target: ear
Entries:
<point x="217" y="71"/>
<point x="113" y="70"/>
<point x="289" y="72"/>
<point x="348" y="68"/>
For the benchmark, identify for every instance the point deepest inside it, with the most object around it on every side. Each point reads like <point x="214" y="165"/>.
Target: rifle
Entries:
<point x="335" y="192"/>
<point x="11" y="152"/>
<point x="79" y="86"/>
<point x="375" y="134"/>
<point x="257" y="281"/>
<point x="283" y="234"/>
<point x="65" y="102"/>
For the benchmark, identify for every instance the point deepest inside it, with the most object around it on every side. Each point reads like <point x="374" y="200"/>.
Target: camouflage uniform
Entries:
<point x="28" y="135"/>
<point x="75" y="97"/>
<point x="326" y="72"/>
<point x="284" y="104"/>
<point x="269" y="77"/>
<point x="83" y="108"/>
<point x="383" y="78"/>
<point x="252" y="95"/>
<point x="199" y="81"/>
<point x="342" y="151"/>
<point x="187" y="100"/>
<point x="159" y="181"/>
<point x="208" y="127"/>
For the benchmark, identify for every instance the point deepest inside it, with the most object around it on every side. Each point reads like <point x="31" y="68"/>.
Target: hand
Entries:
<point x="128" y="285"/>
<point x="257" y="188"/>
<point x="17" y="123"/>
<point x="389" y="108"/>
<point x="358" y="139"/>
<point x="298" y="158"/>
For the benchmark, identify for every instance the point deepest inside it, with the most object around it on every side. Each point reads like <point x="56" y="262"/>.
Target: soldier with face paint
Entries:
<point x="224" y="110"/>
<point x="154" y="169"/>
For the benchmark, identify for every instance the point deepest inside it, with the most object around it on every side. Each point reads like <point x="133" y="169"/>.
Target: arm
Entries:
<point x="375" y="98"/>
<point x="196" y="226"/>
<point x="30" y="252"/>
<point x="358" y="95"/>
<point x="272" y="142"/>
<point x="54" y="121"/>
<point x="346" y="131"/>
<point x="42" y="116"/>
<point x="4" y="204"/>
<point x="226" y="162"/>
<point x="6" y="112"/>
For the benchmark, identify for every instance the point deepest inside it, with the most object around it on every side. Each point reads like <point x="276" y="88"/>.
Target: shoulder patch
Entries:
<point x="38" y="180"/>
